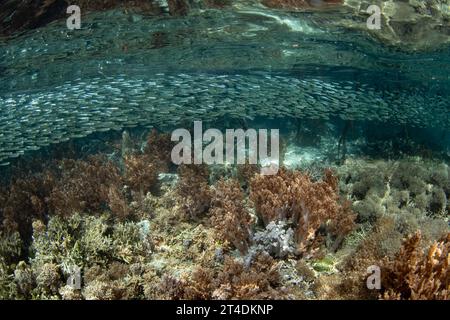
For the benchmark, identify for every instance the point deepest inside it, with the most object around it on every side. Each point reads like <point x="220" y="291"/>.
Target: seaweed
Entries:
<point x="395" y="187"/>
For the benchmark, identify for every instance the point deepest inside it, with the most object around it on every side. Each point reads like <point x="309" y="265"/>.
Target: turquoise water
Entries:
<point x="86" y="183"/>
<point x="122" y="70"/>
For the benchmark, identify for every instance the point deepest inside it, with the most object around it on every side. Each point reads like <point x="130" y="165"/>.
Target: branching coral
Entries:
<point x="48" y="280"/>
<point x="68" y="243"/>
<point x="83" y="186"/>
<point x="158" y="149"/>
<point x="418" y="275"/>
<point x="10" y="253"/>
<point x="85" y="242"/>
<point x="25" y="201"/>
<point x="229" y="215"/>
<point x="291" y="195"/>
<point x="245" y="173"/>
<point x="119" y="281"/>
<point x="117" y="203"/>
<point x="193" y="189"/>
<point x="259" y="280"/>
<point x="141" y="174"/>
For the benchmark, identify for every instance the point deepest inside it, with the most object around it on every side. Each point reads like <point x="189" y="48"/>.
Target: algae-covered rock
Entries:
<point x="326" y="264"/>
<point x="409" y="24"/>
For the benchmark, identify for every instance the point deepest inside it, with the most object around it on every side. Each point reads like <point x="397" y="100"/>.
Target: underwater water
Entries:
<point x="376" y="115"/>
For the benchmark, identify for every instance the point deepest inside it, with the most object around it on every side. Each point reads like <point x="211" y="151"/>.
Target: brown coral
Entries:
<point x="383" y="240"/>
<point x="259" y="280"/>
<point x="25" y="201"/>
<point x="229" y="216"/>
<point x="292" y="195"/>
<point x="117" y="203"/>
<point x="418" y="275"/>
<point x="245" y="173"/>
<point x="158" y="149"/>
<point x="84" y="186"/>
<point x="141" y="174"/>
<point x="193" y="189"/>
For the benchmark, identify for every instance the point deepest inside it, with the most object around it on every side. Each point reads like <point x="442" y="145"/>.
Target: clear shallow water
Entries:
<point x="136" y="224"/>
<point x="124" y="70"/>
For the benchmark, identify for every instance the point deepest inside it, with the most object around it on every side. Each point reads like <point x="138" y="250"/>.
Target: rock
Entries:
<point x="169" y="179"/>
<point x="277" y="239"/>
<point x="409" y="24"/>
<point x="218" y="255"/>
<point x="187" y="243"/>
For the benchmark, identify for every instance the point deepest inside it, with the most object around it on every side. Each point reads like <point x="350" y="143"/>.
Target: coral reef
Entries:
<point x="24" y="201"/>
<point x="194" y="190"/>
<point x="229" y="215"/>
<point x="292" y="196"/>
<point x="418" y="275"/>
<point x="95" y="243"/>
<point x="83" y="186"/>
<point x="395" y="187"/>
<point x="369" y="247"/>
<point x="259" y="280"/>
<point x="158" y="149"/>
<point x="90" y="185"/>
<point x="129" y="227"/>
<point x="141" y="174"/>
<point x="277" y="239"/>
